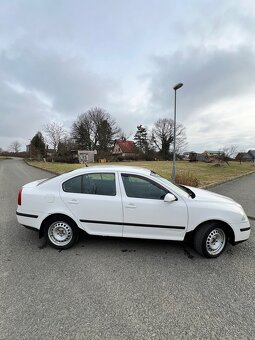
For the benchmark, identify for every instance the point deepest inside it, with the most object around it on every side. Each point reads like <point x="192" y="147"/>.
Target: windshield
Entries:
<point x="178" y="189"/>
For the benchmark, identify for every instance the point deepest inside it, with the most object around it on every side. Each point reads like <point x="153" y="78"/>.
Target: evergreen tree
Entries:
<point x="141" y="139"/>
<point x="37" y="146"/>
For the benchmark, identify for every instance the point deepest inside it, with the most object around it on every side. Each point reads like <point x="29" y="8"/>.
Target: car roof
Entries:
<point x="123" y="168"/>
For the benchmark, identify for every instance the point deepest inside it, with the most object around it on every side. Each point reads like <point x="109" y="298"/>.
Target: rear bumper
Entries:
<point x="30" y="221"/>
<point x="26" y="215"/>
<point x="30" y="228"/>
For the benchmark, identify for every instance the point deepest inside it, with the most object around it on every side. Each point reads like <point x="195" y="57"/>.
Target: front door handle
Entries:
<point x="130" y="206"/>
<point x="73" y="201"/>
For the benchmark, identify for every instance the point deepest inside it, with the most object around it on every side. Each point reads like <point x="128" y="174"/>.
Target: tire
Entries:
<point x="210" y="240"/>
<point x="61" y="232"/>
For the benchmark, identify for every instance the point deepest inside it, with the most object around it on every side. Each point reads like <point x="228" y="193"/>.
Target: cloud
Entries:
<point x="38" y="86"/>
<point x="218" y="85"/>
<point x="66" y="82"/>
<point x="208" y="77"/>
<point x="56" y="61"/>
<point x="22" y="113"/>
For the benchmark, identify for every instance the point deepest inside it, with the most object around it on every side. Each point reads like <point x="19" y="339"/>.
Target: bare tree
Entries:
<point x="95" y="129"/>
<point x="162" y="136"/>
<point x="123" y="135"/>
<point x="227" y="153"/>
<point x="15" y="146"/>
<point x="55" y="133"/>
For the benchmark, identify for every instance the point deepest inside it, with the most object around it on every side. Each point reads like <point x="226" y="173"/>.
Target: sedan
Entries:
<point x="131" y="202"/>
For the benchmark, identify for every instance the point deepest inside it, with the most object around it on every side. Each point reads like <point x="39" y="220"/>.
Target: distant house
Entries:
<point x="252" y="154"/>
<point x="186" y="155"/>
<point x="246" y="156"/>
<point x="211" y="156"/>
<point x="195" y="157"/>
<point x="84" y="156"/>
<point x="243" y="157"/>
<point x="212" y="153"/>
<point x="50" y="152"/>
<point x="206" y="156"/>
<point x="125" y="149"/>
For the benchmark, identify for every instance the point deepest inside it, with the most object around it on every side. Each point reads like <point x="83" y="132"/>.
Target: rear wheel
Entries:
<point x="61" y="232"/>
<point x="210" y="240"/>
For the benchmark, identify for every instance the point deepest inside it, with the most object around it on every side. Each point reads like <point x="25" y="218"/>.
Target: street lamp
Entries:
<point x="176" y="87"/>
<point x="30" y="149"/>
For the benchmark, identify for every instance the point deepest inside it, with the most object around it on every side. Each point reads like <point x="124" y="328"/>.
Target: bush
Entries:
<point x="187" y="178"/>
<point x="62" y="159"/>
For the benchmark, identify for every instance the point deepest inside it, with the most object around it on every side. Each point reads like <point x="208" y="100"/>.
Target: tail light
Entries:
<point x="19" y="196"/>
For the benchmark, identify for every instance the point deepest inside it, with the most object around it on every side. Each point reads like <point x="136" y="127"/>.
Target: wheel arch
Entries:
<point x="223" y="224"/>
<point x="55" y="215"/>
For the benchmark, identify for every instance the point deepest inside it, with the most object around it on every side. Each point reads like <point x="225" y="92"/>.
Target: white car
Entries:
<point x="128" y="201"/>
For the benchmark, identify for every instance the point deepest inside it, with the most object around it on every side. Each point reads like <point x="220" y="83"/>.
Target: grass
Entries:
<point x="198" y="173"/>
<point x="4" y="157"/>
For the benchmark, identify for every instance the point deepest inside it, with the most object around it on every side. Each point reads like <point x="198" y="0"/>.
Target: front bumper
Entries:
<point x="242" y="231"/>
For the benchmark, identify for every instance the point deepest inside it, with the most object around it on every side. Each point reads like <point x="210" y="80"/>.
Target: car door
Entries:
<point x="95" y="200"/>
<point x="146" y="214"/>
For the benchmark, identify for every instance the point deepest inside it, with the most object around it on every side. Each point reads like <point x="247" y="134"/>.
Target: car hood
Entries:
<point x="208" y="196"/>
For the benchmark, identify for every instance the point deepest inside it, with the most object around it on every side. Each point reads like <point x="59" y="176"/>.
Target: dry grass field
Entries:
<point x="197" y="173"/>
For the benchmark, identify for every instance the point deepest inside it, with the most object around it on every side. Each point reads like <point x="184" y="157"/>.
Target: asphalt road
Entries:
<point x="241" y="190"/>
<point x="112" y="288"/>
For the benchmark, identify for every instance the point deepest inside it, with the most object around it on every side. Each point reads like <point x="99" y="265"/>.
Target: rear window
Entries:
<point x="73" y="185"/>
<point x="92" y="184"/>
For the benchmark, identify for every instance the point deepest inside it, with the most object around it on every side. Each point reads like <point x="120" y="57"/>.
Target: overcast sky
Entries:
<point x="60" y="58"/>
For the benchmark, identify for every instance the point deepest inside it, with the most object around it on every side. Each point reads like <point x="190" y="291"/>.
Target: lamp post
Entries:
<point x="176" y="87"/>
<point x="30" y="149"/>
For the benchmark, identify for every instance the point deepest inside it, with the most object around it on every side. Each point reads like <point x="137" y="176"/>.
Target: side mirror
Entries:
<point x="170" y="198"/>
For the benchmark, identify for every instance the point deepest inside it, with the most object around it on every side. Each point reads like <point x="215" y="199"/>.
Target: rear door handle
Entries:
<point x="130" y="206"/>
<point x="73" y="201"/>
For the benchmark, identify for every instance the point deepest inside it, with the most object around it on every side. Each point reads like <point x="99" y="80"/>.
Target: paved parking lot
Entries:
<point x="112" y="288"/>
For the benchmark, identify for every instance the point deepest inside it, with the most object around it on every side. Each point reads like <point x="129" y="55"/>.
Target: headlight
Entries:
<point x="244" y="217"/>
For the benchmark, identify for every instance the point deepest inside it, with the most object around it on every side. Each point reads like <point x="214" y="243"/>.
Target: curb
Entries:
<point x="37" y="167"/>
<point x="207" y="186"/>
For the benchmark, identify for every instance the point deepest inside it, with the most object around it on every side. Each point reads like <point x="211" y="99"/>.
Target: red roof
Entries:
<point x="126" y="146"/>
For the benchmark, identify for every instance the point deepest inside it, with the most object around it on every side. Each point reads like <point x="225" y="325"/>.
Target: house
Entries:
<point x="125" y="149"/>
<point x="246" y="156"/>
<point x="252" y="154"/>
<point x="211" y="156"/>
<point x="50" y="152"/>
<point x="243" y="157"/>
<point x="212" y="153"/>
<point x="195" y="157"/>
<point x="84" y="156"/>
<point x="185" y="155"/>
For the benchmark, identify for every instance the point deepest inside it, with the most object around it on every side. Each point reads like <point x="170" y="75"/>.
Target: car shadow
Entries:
<point x="134" y="245"/>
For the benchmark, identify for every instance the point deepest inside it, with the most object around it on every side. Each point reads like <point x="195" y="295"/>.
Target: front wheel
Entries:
<point x="61" y="233"/>
<point x="210" y="240"/>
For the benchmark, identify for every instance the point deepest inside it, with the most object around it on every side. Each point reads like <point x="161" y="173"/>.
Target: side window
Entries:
<point x="73" y="185"/>
<point x="141" y="187"/>
<point x="99" y="184"/>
